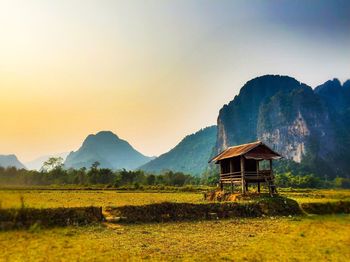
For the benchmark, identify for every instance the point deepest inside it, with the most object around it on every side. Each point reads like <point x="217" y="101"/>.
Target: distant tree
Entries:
<point x="52" y="163"/>
<point x="151" y="179"/>
<point x="95" y="165"/>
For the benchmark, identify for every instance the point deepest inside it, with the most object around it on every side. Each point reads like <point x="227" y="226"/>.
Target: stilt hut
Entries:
<point x="247" y="164"/>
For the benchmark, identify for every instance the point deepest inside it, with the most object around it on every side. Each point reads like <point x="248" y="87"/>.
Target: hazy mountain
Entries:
<point x="10" y="161"/>
<point x="191" y="155"/>
<point x="306" y="126"/>
<point x="109" y="150"/>
<point x="37" y="163"/>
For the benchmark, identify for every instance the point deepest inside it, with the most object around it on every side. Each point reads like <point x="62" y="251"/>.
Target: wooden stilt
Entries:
<point x="242" y="175"/>
<point x="259" y="187"/>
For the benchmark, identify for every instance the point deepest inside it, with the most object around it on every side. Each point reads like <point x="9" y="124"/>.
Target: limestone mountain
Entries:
<point x="190" y="156"/>
<point x="10" y="161"/>
<point x="306" y="126"/>
<point x="109" y="150"/>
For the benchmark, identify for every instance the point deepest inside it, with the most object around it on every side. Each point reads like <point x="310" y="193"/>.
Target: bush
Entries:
<point x="162" y="212"/>
<point x="327" y="208"/>
<point x="48" y="217"/>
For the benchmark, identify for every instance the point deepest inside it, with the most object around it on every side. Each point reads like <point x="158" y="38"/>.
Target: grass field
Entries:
<point x="304" y="238"/>
<point x="56" y="198"/>
<point x="317" y="238"/>
<point x="76" y="198"/>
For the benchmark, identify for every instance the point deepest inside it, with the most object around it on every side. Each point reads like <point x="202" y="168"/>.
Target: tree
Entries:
<point x="95" y="165"/>
<point x="53" y="163"/>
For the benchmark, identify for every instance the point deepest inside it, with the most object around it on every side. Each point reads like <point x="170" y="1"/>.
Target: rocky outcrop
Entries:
<point x="292" y="118"/>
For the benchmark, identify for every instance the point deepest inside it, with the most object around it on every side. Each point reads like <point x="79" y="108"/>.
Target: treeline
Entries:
<point x="94" y="176"/>
<point x="53" y="173"/>
<point x="309" y="181"/>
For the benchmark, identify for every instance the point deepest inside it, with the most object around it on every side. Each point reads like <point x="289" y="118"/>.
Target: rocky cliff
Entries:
<point x="303" y="124"/>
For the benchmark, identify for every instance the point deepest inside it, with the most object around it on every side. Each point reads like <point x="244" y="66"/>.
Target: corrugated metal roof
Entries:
<point x="242" y="150"/>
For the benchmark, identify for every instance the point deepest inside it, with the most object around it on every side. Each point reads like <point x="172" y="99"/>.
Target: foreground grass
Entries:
<point x="317" y="238"/>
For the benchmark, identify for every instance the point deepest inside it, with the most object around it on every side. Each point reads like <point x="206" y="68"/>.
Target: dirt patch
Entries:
<point x="220" y="195"/>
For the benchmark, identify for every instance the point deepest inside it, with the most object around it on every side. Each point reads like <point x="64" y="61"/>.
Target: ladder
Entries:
<point x="272" y="187"/>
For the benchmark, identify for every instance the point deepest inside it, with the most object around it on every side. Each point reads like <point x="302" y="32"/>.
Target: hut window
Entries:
<point x="264" y="165"/>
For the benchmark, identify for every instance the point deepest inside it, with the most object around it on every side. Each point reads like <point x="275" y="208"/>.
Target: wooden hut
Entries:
<point x="247" y="164"/>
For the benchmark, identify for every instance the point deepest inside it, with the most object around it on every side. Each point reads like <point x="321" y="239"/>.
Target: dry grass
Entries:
<point x="319" y="238"/>
<point x="317" y="195"/>
<point x="55" y="198"/>
<point x="77" y="198"/>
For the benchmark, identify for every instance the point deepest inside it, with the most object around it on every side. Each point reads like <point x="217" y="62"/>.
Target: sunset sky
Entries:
<point x="150" y="71"/>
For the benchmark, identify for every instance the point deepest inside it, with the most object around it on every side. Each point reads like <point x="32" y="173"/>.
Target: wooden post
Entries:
<point x="231" y="165"/>
<point x="242" y="175"/>
<point x="270" y="179"/>
<point x="257" y="173"/>
<point x="221" y="172"/>
<point x="246" y="187"/>
<point x="272" y="183"/>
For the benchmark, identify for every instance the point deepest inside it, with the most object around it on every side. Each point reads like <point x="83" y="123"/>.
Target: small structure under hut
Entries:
<point x="247" y="164"/>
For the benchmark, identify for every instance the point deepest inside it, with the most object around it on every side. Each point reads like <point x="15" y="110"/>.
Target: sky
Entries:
<point x="151" y="71"/>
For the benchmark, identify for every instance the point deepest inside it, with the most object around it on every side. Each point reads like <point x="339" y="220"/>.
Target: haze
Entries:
<point x="150" y="71"/>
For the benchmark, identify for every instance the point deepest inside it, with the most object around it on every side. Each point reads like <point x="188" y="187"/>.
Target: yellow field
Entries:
<point x="56" y="198"/>
<point x="76" y="198"/>
<point x="306" y="238"/>
<point x="318" y="195"/>
<point x="317" y="238"/>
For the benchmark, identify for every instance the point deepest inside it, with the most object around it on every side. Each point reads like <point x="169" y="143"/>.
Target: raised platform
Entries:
<point x="249" y="177"/>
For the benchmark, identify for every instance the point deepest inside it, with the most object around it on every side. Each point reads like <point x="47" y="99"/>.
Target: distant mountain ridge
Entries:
<point x="10" y="161"/>
<point x="109" y="150"/>
<point x="190" y="156"/>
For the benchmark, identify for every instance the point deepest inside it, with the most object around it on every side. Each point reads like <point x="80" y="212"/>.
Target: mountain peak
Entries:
<point x="108" y="134"/>
<point x="10" y="161"/>
<point x="108" y="149"/>
<point x="329" y="86"/>
<point x="103" y="137"/>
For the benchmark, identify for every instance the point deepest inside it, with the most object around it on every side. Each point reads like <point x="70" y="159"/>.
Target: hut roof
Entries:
<point x="256" y="150"/>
